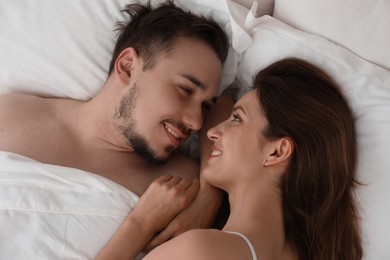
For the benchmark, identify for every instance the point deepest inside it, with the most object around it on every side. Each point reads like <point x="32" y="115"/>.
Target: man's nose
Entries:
<point x="193" y="118"/>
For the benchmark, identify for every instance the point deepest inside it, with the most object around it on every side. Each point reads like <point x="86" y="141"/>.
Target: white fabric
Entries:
<point x="366" y="86"/>
<point x="247" y="241"/>
<point x="54" y="212"/>
<point x="360" y="25"/>
<point x="63" y="48"/>
<point x="265" y="7"/>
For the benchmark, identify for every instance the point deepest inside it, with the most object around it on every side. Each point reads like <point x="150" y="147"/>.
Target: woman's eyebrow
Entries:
<point x="236" y="108"/>
<point x="194" y="80"/>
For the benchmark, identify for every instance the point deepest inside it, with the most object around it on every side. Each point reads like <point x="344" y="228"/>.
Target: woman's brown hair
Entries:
<point x="303" y="103"/>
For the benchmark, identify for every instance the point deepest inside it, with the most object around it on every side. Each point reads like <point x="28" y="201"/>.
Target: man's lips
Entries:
<point x="175" y="135"/>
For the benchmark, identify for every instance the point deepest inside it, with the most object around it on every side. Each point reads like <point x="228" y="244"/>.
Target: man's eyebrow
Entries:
<point x="194" y="81"/>
<point x="200" y="85"/>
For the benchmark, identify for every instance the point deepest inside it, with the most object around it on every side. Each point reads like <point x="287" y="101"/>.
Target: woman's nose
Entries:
<point x="214" y="133"/>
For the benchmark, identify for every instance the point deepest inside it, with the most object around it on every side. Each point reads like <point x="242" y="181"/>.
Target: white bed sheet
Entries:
<point x="54" y="212"/>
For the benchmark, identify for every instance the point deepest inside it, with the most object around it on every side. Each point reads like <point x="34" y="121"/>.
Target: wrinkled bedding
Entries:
<point x="54" y="212"/>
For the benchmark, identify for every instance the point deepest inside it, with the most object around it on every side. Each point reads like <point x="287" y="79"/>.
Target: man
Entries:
<point x="164" y="74"/>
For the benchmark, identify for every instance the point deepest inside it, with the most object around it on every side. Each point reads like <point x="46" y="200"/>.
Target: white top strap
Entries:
<point x="248" y="242"/>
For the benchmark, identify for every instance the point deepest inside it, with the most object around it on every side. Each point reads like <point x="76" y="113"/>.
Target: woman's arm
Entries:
<point x="161" y="202"/>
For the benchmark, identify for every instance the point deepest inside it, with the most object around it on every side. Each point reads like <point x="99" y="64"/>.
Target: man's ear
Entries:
<point x="125" y="63"/>
<point x="282" y="150"/>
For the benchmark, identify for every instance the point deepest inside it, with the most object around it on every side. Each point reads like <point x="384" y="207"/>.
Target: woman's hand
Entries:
<point x="162" y="201"/>
<point x="200" y="214"/>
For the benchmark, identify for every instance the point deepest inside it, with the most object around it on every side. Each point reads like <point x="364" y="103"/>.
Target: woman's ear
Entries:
<point x="125" y="63"/>
<point x="281" y="152"/>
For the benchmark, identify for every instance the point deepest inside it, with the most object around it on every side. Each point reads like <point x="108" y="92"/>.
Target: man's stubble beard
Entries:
<point x="127" y="128"/>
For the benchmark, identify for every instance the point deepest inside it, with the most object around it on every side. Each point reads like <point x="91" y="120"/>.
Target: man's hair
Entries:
<point x="152" y="32"/>
<point x="301" y="102"/>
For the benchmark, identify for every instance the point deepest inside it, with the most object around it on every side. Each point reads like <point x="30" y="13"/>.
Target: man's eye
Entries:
<point x="186" y="90"/>
<point x="206" y="107"/>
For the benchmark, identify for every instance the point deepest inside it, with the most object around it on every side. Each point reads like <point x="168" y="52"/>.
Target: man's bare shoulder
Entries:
<point x="21" y="109"/>
<point x="19" y="115"/>
<point x="145" y="173"/>
<point x="189" y="168"/>
<point x="14" y="103"/>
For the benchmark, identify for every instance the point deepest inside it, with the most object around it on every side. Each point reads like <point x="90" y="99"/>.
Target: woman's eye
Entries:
<point x="186" y="90"/>
<point x="236" y="118"/>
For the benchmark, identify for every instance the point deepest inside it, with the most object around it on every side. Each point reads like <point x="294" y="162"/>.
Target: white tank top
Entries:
<point x="248" y="242"/>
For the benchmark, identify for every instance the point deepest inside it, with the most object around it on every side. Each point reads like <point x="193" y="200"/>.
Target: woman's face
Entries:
<point x="239" y="145"/>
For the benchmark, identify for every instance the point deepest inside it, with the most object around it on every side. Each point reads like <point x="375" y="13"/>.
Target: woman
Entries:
<point x="287" y="159"/>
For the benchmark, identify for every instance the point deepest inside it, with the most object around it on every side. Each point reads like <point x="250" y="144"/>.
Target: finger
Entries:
<point x="184" y="184"/>
<point x="193" y="189"/>
<point x="161" y="238"/>
<point x="164" y="178"/>
<point x="174" y="180"/>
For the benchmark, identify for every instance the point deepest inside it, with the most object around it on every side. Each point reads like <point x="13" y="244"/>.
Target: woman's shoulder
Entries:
<point x="198" y="244"/>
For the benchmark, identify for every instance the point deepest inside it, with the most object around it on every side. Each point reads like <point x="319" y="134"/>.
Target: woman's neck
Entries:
<point x="257" y="212"/>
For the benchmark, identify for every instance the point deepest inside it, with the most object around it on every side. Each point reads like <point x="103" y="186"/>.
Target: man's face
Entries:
<point x="166" y="103"/>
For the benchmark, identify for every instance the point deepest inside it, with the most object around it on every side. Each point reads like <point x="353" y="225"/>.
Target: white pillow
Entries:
<point x="265" y="7"/>
<point x="367" y="87"/>
<point x="359" y="25"/>
<point x="56" y="48"/>
<point x="63" y="48"/>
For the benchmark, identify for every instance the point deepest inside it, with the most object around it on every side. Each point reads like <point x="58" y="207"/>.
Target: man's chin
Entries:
<point x="153" y="158"/>
<point x="159" y="161"/>
<point x="161" y="158"/>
